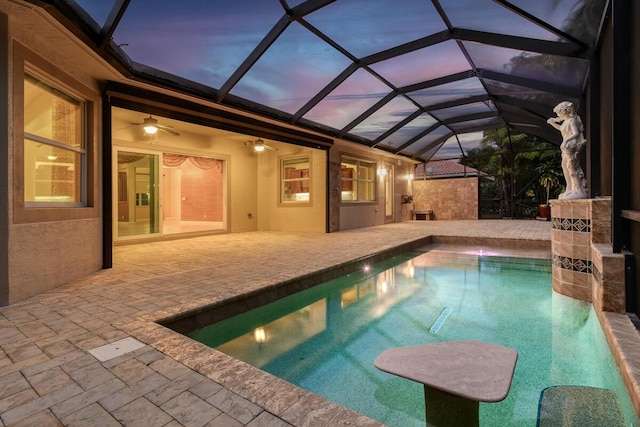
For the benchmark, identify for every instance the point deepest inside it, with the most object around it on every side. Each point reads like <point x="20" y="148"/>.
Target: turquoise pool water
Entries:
<point x="326" y="338"/>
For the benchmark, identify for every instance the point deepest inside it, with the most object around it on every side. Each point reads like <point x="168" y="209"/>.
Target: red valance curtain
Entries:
<point x="171" y="160"/>
<point x="206" y="163"/>
<point x="174" y="160"/>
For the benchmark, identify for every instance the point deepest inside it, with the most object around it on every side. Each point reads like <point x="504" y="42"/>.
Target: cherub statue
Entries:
<point x="573" y="140"/>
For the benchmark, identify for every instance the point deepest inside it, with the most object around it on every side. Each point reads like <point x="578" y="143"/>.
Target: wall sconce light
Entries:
<point x="410" y="177"/>
<point x="382" y="172"/>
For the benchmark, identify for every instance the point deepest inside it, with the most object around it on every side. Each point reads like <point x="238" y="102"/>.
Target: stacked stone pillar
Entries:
<point x="584" y="266"/>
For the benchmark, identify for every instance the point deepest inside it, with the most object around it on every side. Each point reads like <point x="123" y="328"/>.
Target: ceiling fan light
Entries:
<point x="258" y="147"/>
<point x="150" y="125"/>
<point x="150" y="129"/>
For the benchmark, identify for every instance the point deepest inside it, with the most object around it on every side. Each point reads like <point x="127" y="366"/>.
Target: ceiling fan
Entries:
<point x="259" y="145"/>
<point x="151" y="127"/>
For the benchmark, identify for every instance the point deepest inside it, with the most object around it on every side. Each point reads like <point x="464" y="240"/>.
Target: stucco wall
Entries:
<point x="455" y="198"/>
<point x="41" y="260"/>
<point x="45" y="250"/>
<point x="276" y="216"/>
<point x="366" y="214"/>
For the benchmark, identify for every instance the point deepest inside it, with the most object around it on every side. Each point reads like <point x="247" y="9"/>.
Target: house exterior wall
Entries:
<point x="241" y="167"/>
<point x="350" y="215"/>
<point x="47" y="247"/>
<point x="455" y="198"/>
<point x="276" y="216"/>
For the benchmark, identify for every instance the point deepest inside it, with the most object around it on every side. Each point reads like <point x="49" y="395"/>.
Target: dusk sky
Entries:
<point x="206" y="41"/>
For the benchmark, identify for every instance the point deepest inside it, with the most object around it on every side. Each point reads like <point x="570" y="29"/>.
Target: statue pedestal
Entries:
<point x="584" y="266"/>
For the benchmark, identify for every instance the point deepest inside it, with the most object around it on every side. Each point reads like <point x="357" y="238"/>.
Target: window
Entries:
<point x="54" y="145"/>
<point x="295" y="180"/>
<point x="358" y="180"/>
<point x="55" y="167"/>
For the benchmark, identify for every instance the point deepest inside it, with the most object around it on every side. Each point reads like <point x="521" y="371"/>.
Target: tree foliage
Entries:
<point x="523" y="166"/>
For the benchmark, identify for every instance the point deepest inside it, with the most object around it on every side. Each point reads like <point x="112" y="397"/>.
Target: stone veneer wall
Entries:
<point x="454" y="198"/>
<point x="584" y="266"/>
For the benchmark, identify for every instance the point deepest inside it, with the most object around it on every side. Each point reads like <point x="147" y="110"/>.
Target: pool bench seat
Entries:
<point x="456" y="375"/>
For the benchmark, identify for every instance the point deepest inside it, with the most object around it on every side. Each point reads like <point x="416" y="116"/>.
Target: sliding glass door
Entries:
<point x="160" y="193"/>
<point x="138" y="197"/>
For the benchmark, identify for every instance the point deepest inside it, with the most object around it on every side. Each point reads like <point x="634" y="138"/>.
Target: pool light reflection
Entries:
<point x="384" y="288"/>
<point x="410" y="272"/>
<point x="260" y="335"/>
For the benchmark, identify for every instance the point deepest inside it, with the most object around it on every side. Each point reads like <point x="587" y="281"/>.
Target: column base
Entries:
<point x="447" y="410"/>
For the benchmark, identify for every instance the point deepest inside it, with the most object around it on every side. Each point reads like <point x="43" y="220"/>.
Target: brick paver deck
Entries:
<point x="48" y="377"/>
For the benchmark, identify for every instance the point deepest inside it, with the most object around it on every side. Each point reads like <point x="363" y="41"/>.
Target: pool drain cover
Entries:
<point x="115" y="349"/>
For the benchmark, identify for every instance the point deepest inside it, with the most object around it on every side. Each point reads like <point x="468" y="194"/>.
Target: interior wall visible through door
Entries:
<point x="192" y="193"/>
<point x="168" y="193"/>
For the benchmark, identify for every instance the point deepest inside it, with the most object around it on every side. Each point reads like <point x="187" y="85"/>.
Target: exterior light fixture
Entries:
<point x="52" y="157"/>
<point x="259" y="146"/>
<point x="410" y="176"/>
<point x="150" y="125"/>
<point x="150" y="129"/>
<point x="382" y="172"/>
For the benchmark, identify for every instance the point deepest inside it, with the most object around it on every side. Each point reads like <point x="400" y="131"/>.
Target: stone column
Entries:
<point x="571" y="233"/>
<point x="584" y="265"/>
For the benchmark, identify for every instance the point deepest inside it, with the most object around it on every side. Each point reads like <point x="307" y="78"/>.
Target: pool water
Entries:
<point x="325" y="339"/>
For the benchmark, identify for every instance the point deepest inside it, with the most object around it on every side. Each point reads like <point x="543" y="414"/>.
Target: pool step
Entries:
<point x="579" y="406"/>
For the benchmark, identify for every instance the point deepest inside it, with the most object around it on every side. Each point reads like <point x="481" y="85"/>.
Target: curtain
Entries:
<point x="206" y="163"/>
<point x="174" y="160"/>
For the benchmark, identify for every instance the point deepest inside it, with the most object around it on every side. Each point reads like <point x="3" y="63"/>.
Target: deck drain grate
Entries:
<point x="116" y="348"/>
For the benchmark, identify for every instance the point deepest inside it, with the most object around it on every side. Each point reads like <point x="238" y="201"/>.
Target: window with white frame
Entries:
<point x="358" y="180"/>
<point x="295" y="180"/>
<point x="55" y="147"/>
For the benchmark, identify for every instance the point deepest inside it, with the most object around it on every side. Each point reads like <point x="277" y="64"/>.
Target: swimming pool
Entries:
<point x="326" y="338"/>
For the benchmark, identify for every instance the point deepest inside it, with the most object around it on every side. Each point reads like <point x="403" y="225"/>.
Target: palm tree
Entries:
<point x="549" y="176"/>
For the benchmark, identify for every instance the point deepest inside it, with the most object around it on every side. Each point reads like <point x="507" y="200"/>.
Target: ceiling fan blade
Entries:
<point x="168" y="129"/>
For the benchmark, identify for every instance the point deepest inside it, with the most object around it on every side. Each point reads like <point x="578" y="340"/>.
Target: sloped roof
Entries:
<point x="445" y="169"/>
<point x="403" y="76"/>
